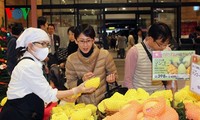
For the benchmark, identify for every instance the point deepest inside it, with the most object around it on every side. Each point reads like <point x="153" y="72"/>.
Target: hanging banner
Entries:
<point x="171" y="65"/>
<point x="195" y="74"/>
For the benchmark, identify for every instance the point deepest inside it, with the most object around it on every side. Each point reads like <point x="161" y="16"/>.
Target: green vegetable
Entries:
<point x="180" y="109"/>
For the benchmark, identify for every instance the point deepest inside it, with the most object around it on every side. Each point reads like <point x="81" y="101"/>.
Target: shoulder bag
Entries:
<point x="150" y="57"/>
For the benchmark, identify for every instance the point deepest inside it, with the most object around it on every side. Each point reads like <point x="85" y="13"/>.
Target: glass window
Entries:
<point x="167" y="0"/>
<point x="168" y="16"/>
<point x="114" y="1"/>
<point x="189" y="20"/>
<point x="86" y="1"/>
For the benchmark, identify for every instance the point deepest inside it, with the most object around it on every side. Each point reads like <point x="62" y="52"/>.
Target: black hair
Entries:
<point x="17" y="28"/>
<point x="160" y="30"/>
<point x="85" y="29"/>
<point x="72" y="29"/>
<point x="138" y="29"/>
<point x="52" y="25"/>
<point x="132" y="32"/>
<point x="41" y="21"/>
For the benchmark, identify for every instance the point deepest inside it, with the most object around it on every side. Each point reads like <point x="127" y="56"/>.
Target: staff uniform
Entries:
<point x="26" y="86"/>
<point x="28" y="89"/>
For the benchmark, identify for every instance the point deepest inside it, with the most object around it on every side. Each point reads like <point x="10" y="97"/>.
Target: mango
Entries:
<point x="182" y="69"/>
<point x="187" y="61"/>
<point x="93" y="82"/>
<point x="176" y="61"/>
<point x="59" y="116"/>
<point x="81" y="114"/>
<point x="3" y="101"/>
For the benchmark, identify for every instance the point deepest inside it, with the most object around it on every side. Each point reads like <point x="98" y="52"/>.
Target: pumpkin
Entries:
<point x="128" y="112"/>
<point x="192" y="111"/>
<point x="154" y="106"/>
<point x="169" y="114"/>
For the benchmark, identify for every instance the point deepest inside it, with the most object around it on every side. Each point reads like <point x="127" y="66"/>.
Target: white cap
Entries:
<point x="31" y="35"/>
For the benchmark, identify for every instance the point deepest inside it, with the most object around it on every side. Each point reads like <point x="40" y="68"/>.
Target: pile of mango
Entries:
<point x="179" y="65"/>
<point x="118" y="101"/>
<point x="70" y="111"/>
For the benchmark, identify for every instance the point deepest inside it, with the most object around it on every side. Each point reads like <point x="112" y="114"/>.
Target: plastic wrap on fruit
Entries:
<point x="167" y="94"/>
<point x="81" y="114"/>
<point x="93" y="82"/>
<point x="59" y="116"/>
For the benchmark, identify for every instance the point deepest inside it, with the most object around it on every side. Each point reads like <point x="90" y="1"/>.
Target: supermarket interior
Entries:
<point x="157" y="69"/>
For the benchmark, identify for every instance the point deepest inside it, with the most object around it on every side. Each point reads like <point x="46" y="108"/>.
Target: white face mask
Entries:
<point x="41" y="53"/>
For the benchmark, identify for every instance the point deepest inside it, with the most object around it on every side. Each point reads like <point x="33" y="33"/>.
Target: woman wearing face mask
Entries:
<point x="28" y="89"/>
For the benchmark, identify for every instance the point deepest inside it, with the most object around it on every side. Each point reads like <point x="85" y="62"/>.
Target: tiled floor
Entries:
<point x="120" y="68"/>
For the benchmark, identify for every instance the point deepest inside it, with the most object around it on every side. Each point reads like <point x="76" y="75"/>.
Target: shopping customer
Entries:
<point x="28" y="89"/>
<point x="89" y="61"/>
<point x="138" y="66"/>
<point x="72" y="46"/>
<point x="11" y="53"/>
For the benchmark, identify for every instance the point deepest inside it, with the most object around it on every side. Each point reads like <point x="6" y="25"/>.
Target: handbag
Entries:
<point x="62" y="54"/>
<point x="116" y="88"/>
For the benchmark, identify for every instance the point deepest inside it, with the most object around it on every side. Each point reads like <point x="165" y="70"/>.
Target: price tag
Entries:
<point x="195" y="74"/>
<point x="171" y="65"/>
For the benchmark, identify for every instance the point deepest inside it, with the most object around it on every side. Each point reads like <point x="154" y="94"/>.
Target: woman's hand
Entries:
<point x="88" y="76"/>
<point x="69" y="99"/>
<point x="82" y="89"/>
<point x="111" y="78"/>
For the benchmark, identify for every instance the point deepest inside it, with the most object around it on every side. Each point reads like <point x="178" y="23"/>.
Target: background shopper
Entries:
<point x="138" y="66"/>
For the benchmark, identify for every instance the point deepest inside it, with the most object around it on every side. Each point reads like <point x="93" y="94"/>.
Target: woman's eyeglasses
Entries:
<point x="43" y="44"/>
<point x="85" y="41"/>
<point x="161" y="45"/>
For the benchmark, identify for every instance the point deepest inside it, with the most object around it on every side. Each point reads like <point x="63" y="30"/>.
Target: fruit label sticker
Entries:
<point x="171" y="65"/>
<point x="195" y="74"/>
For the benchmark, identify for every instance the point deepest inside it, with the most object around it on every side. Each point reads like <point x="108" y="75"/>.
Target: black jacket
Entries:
<point x="11" y="53"/>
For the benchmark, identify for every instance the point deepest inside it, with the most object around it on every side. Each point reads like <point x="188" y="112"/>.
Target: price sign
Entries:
<point x="171" y="65"/>
<point x="195" y="74"/>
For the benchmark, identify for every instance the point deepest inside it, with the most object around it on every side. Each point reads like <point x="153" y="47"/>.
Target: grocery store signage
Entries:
<point x="195" y="74"/>
<point x="17" y="13"/>
<point x="171" y="65"/>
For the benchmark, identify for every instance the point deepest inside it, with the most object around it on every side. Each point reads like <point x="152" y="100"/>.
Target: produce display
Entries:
<point x="151" y="109"/>
<point x="135" y="104"/>
<point x="70" y="111"/>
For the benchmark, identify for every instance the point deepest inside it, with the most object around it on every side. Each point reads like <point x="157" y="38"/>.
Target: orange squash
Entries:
<point x="192" y="111"/>
<point x="169" y="114"/>
<point x="128" y="112"/>
<point x="154" y="107"/>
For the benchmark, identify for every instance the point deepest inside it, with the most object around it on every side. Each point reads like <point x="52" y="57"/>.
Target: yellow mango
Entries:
<point x="91" y="107"/>
<point x="101" y="106"/>
<point x="81" y="114"/>
<point x="93" y="82"/>
<point x="59" y="116"/>
<point x="3" y="101"/>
